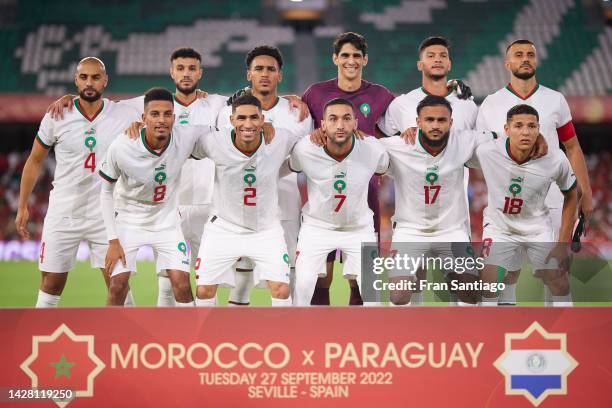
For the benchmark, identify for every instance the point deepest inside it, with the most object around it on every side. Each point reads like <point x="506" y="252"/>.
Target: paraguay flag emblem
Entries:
<point x="536" y="364"/>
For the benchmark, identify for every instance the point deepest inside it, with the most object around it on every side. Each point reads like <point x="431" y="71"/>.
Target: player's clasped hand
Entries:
<point x="134" y="130"/>
<point x="563" y="256"/>
<point x="409" y="135"/>
<point x="114" y="254"/>
<point x="56" y="109"/>
<point x="21" y="223"/>
<point x="318" y="137"/>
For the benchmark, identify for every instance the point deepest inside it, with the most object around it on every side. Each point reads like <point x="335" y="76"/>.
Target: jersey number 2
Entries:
<point x="249" y="192"/>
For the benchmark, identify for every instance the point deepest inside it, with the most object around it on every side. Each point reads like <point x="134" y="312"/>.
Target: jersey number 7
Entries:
<point x="342" y="198"/>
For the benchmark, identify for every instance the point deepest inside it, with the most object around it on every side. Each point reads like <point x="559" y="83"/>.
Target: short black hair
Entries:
<point x="434" y="100"/>
<point x="246" y="99"/>
<point x="521" y="110"/>
<point x="338" y="101"/>
<point x="158" y="94"/>
<point x="356" y="40"/>
<point x="268" y="50"/>
<point x="519" y="41"/>
<point x="185" y="52"/>
<point x="435" y="40"/>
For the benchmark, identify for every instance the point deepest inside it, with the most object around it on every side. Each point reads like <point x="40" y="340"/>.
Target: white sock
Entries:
<point x="129" y="299"/>
<point x="464" y="304"/>
<point x="548" y="297"/>
<point x="416" y="299"/>
<point x="242" y="291"/>
<point x="489" y="302"/>
<point x="186" y="304"/>
<point x="281" y="302"/>
<point x="372" y="304"/>
<point x="562" y="301"/>
<point x="508" y="295"/>
<point x="165" y="296"/>
<point x="206" y="302"/>
<point x="46" y="300"/>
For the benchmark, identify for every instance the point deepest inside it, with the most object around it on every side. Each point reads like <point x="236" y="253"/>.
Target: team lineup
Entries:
<point x="211" y="183"/>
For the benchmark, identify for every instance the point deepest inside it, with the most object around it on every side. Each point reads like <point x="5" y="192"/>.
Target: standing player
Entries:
<point x="435" y="64"/>
<point x="244" y="221"/>
<point x="79" y="140"/>
<point x="371" y="100"/>
<point x="264" y="72"/>
<point x="195" y="191"/>
<point x="145" y="211"/>
<point x="555" y="124"/>
<point x="429" y="204"/>
<point x="516" y="218"/>
<point x="336" y="215"/>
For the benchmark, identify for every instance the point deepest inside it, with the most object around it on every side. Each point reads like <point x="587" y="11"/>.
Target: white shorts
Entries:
<point x="314" y="243"/>
<point x="508" y="251"/>
<point x="223" y="243"/>
<point x="169" y="248"/>
<point x="193" y="219"/>
<point x="291" y="229"/>
<point x="60" y="241"/>
<point x="439" y="246"/>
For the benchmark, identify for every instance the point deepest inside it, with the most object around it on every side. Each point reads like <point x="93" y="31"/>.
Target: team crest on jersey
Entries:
<point x="182" y="247"/>
<point x="515" y="187"/>
<point x="184" y="117"/>
<point x="365" y="109"/>
<point x="432" y="175"/>
<point x="249" y="176"/>
<point x="340" y="184"/>
<point x="286" y="258"/>
<point x="90" y="139"/>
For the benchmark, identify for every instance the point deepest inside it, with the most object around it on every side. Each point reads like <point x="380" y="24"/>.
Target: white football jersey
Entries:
<point x="246" y="185"/>
<point x="402" y="112"/>
<point x="338" y="187"/>
<point x="197" y="179"/>
<point x="516" y="192"/>
<point x="80" y="143"/>
<point x="429" y="190"/>
<point x="148" y="181"/>
<point x="281" y="116"/>
<point x="553" y="112"/>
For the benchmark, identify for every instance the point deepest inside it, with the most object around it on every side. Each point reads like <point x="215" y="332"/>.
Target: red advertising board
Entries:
<point x="333" y="357"/>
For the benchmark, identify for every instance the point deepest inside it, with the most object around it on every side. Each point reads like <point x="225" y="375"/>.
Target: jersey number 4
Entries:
<point x="90" y="162"/>
<point x="512" y="205"/>
<point x="431" y="194"/>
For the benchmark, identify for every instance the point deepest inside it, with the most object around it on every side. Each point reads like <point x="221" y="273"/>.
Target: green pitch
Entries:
<point x="19" y="283"/>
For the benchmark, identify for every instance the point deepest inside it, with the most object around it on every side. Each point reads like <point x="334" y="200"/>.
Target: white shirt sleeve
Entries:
<point x="566" y="179"/>
<point x="108" y="209"/>
<point x="563" y="114"/>
<point x="387" y="123"/>
<point x="46" y="135"/>
<point x="223" y="118"/>
<point x="136" y="103"/>
<point x="383" y="163"/>
<point x="295" y="163"/>
<point x="481" y="121"/>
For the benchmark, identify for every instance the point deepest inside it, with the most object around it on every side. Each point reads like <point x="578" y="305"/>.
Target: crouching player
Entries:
<point x="336" y="215"/>
<point x="516" y="218"/>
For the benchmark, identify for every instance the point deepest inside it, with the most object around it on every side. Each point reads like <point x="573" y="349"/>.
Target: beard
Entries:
<point x="97" y="95"/>
<point x="185" y="90"/>
<point x="436" y="142"/>
<point x="523" y="75"/>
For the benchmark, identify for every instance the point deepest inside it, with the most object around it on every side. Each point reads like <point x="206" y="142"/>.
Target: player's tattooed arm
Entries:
<point x="200" y="94"/>
<point x="295" y="102"/>
<point x="30" y="174"/>
<point x="56" y="109"/>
